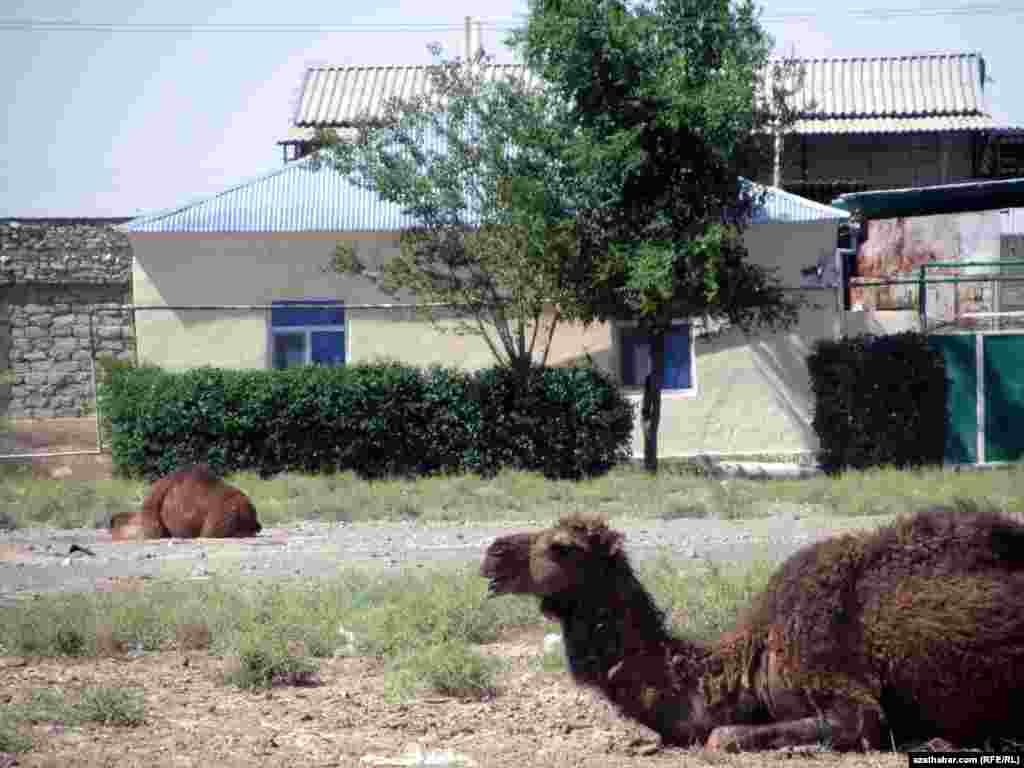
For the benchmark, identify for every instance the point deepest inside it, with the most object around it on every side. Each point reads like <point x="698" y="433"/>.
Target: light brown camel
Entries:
<point x="192" y="502"/>
<point x="907" y="633"/>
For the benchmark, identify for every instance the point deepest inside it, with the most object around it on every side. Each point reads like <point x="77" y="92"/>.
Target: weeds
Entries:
<point x="105" y="705"/>
<point x="11" y="739"/>
<point x="112" y="706"/>
<point x="516" y="496"/>
<point x="267" y="659"/>
<point x="450" y="668"/>
<point x="421" y="624"/>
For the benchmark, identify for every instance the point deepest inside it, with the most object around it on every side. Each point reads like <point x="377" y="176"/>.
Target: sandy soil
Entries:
<point x="537" y="719"/>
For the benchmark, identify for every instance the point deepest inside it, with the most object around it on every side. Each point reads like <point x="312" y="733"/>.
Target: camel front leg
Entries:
<point x="843" y="726"/>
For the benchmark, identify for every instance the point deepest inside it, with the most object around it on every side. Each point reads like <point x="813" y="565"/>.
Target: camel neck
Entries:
<point x="602" y="627"/>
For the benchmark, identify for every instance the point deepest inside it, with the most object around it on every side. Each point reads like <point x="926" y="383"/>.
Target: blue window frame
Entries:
<point x="307" y="335"/>
<point x="635" y="357"/>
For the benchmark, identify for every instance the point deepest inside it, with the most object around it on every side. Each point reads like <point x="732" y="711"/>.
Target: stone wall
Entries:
<point x="62" y="283"/>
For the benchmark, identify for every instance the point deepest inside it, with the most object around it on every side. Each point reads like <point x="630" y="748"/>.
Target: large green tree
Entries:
<point x="467" y="162"/>
<point x="667" y="102"/>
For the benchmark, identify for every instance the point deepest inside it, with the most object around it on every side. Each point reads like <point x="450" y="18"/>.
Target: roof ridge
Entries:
<point x="900" y="57"/>
<point x="853" y="57"/>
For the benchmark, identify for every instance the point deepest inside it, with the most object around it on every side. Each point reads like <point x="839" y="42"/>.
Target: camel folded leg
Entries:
<point x="844" y="725"/>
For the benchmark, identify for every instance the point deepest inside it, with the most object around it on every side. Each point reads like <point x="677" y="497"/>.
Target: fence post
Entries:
<point x="922" y="299"/>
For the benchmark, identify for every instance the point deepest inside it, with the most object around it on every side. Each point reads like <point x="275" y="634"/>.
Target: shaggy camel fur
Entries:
<point x="189" y="503"/>
<point x="910" y="632"/>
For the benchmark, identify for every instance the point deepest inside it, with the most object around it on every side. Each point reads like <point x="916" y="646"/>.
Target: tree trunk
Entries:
<point x="650" y="409"/>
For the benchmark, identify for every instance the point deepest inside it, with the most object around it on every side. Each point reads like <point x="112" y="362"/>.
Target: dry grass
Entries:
<point x="521" y="496"/>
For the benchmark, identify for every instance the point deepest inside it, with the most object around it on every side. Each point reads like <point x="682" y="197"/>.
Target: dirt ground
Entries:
<point x="538" y="719"/>
<point x="67" y="435"/>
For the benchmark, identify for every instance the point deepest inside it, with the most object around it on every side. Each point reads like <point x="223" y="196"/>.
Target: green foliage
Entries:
<point x="489" y="237"/>
<point x="561" y="422"/>
<point x="378" y="420"/>
<point x="879" y="401"/>
<point x="108" y="705"/>
<point x="266" y="659"/>
<point x="11" y="739"/>
<point x="450" y="668"/>
<point x="668" y="101"/>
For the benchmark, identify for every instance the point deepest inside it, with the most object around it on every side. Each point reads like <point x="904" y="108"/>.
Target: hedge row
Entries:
<point x="377" y="419"/>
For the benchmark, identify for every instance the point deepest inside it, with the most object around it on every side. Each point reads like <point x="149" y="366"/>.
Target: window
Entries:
<point x="635" y="357"/>
<point x="307" y="335"/>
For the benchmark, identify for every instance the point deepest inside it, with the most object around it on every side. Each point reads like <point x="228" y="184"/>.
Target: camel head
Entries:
<point x="558" y="561"/>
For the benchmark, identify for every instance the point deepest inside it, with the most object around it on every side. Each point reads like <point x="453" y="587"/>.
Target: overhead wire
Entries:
<point x="32" y="24"/>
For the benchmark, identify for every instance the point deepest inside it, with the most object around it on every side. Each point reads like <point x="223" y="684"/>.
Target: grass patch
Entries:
<point x="106" y="705"/>
<point x="704" y="600"/>
<point x="11" y="739"/>
<point x="626" y="491"/>
<point x="266" y="659"/>
<point x="422" y="623"/>
<point x="450" y="668"/>
<point x="553" y="661"/>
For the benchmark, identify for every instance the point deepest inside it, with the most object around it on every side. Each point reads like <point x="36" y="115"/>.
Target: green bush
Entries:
<point x="879" y="401"/>
<point x="561" y="422"/>
<point x="266" y="658"/>
<point x="378" y="420"/>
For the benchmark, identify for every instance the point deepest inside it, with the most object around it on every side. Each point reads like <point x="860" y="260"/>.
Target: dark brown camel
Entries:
<point x="910" y="632"/>
<point x="192" y="502"/>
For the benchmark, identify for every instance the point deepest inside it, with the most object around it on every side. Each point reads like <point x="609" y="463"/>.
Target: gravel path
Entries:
<point x="43" y="560"/>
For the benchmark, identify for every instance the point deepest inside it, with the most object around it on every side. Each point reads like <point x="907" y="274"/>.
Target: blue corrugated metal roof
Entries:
<point x="295" y="198"/>
<point x="302" y="198"/>
<point x="782" y="206"/>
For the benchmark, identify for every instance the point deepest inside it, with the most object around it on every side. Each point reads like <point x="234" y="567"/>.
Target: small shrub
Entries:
<point x="11" y="740"/>
<point x="449" y="668"/>
<point x="46" y="705"/>
<point x="70" y="642"/>
<point x="264" y="661"/>
<point x="109" y="705"/>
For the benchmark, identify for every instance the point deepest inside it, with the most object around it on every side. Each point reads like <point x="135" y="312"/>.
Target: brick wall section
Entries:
<point x="56" y="274"/>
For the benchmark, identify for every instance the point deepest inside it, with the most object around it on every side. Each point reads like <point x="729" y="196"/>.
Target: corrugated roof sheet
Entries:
<point x="847" y="125"/>
<point x="785" y="207"/>
<point x="894" y="86"/>
<point x="297" y="198"/>
<point x="339" y="95"/>
<point x="900" y="94"/>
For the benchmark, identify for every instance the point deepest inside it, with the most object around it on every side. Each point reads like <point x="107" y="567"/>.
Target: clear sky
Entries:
<point x="122" y="121"/>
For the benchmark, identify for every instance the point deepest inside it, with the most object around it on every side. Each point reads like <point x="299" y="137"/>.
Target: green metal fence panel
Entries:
<point x="961" y="397"/>
<point x="1004" y="397"/>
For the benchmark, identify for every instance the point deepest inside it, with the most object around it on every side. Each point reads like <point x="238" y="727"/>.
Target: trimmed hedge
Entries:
<point x="379" y="419"/>
<point x="879" y="401"/>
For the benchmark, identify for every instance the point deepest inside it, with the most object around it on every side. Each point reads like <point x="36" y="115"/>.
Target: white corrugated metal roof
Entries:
<point x="299" y="198"/>
<point x="338" y="95"/>
<point x="895" y="86"/>
<point x="897" y="94"/>
<point x="888" y="124"/>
